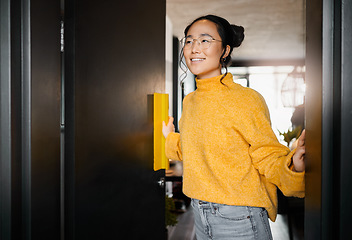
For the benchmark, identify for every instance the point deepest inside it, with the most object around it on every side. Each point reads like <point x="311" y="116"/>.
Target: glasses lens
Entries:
<point x="205" y="42"/>
<point x="187" y="42"/>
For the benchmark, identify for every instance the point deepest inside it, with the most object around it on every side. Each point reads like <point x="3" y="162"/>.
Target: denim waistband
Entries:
<point x="214" y="206"/>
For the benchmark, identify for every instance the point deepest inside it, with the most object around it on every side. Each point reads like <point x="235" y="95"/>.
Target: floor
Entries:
<point x="184" y="230"/>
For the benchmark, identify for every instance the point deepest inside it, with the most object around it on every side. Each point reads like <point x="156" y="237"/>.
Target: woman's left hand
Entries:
<point x="299" y="164"/>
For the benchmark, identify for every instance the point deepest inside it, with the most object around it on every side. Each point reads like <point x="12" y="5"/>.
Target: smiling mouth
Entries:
<point x="197" y="59"/>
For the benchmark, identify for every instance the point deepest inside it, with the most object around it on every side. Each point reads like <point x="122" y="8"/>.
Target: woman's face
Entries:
<point x="204" y="63"/>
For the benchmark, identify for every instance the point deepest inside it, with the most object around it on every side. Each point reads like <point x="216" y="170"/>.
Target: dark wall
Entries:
<point x="346" y="118"/>
<point x="16" y="122"/>
<point x="34" y="64"/>
<point x="5" y="121"/>
<point x="328" y="120"/>
<point x="45" y="118"/>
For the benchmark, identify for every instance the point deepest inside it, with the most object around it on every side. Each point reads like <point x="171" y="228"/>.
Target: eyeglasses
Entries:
<point x="204" y="42"/>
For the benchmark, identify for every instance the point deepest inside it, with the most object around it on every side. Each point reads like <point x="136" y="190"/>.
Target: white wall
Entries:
<point x="168" y="62"/>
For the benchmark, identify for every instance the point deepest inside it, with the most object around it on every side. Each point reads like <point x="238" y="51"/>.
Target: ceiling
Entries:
<point x="274" y="29"/>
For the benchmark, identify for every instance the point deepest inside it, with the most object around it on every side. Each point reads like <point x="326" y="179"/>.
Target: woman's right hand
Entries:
<point x="169" y="127"/>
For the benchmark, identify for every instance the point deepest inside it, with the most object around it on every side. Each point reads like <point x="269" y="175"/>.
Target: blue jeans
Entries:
<point x="225" y="222"/>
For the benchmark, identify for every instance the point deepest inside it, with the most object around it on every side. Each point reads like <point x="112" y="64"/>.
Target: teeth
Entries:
<point x="196" y="59"/>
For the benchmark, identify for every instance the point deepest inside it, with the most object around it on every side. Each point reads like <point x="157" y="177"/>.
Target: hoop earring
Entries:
<point x="222" y="61"/>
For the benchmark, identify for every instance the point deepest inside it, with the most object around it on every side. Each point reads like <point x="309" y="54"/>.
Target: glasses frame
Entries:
<point x="183" y="42"/>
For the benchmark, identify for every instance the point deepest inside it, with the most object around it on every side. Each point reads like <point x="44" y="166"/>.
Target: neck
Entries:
<point x="214" y="83"/>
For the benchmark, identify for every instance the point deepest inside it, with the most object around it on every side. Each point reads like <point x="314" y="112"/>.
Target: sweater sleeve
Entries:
<point x="269" y="157"/>
<point x="173" y="147"/>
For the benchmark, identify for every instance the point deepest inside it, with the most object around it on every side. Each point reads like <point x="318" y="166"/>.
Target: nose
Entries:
<point x="195" y="46"/>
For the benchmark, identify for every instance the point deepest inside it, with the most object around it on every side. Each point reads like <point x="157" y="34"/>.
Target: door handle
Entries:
<point x="160" y="114"/>
<point x="161" y="182"/>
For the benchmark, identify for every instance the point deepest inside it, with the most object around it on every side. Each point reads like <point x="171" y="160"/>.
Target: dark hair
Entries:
<point x="231" y="35"/>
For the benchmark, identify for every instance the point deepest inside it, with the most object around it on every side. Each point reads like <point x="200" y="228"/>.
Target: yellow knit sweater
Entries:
<point x="229" y="151"/>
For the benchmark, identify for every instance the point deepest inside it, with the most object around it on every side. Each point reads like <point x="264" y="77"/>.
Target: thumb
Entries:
<point x="171" y="120"/>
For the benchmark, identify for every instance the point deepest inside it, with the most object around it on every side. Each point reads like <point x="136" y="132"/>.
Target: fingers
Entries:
<point x="303" y="134"/>
<point x="299" y="160"/>
<point x="171" y="120"/>
<point x="169" y="127"/>
<point x="299" y="156"/>
<point x="301" y="152"/>
<point x="302" y="139"/>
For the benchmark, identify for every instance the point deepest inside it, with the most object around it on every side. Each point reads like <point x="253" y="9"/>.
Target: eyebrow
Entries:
<point x="202" y="35"/>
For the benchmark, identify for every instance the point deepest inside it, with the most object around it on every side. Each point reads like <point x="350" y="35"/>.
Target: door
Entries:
<point x="115" y="58"/>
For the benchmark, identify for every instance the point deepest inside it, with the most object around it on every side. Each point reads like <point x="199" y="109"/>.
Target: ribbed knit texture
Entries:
<point x="230" y="153"/>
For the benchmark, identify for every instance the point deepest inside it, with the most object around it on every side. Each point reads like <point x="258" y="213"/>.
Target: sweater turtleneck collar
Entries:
<point x="212" y="84"/>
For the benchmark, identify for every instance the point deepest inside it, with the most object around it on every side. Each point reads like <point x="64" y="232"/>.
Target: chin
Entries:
<point x="195" y="71"/>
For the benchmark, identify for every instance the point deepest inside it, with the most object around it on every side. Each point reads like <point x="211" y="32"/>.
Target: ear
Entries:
<point x="227" y="51"/>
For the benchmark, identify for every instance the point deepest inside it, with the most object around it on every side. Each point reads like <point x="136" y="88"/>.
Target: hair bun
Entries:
<point x="238" y="35"/>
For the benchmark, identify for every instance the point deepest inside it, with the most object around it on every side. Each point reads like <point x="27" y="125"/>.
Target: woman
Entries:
<point x="231" y="157"/>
